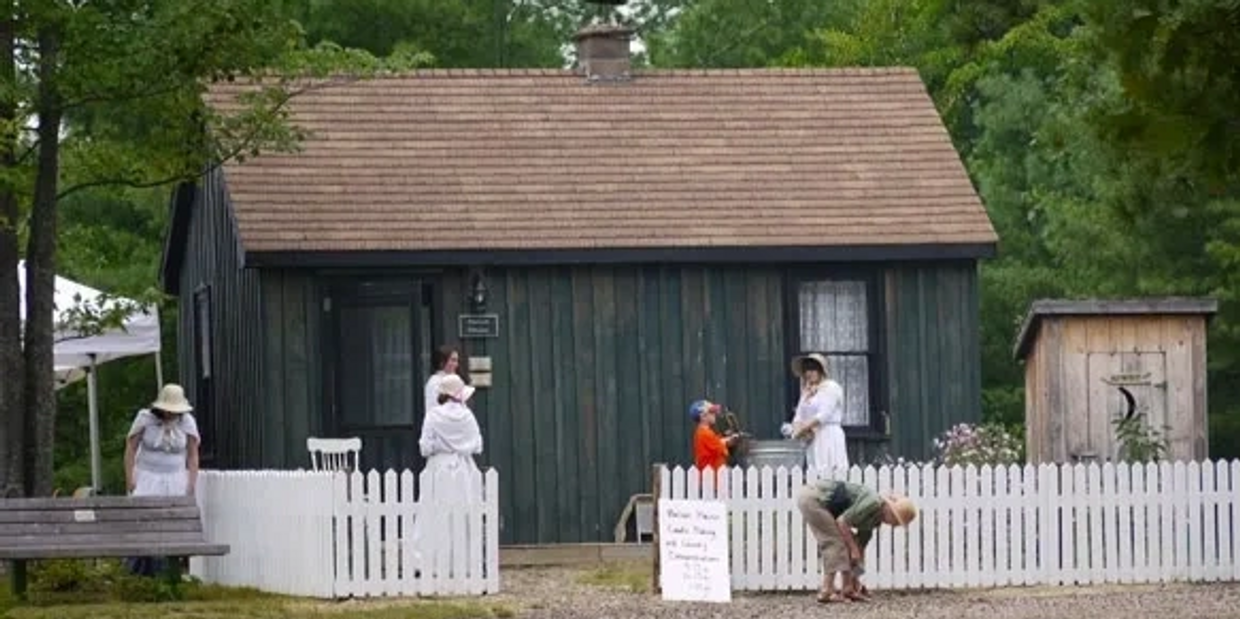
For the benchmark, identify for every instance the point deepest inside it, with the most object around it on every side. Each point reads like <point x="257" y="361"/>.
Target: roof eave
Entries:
<point x="1200" y="306"/>
<point x="630" y="255"/>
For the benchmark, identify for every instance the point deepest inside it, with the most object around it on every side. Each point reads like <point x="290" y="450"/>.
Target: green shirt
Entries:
<point x="863" y="508"/>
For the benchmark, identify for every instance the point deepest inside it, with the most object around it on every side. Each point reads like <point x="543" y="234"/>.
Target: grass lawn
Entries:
<point x="80" y="590"/>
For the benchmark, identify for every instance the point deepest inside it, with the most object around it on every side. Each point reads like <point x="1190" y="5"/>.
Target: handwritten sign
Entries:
<point x="693" y="551"/>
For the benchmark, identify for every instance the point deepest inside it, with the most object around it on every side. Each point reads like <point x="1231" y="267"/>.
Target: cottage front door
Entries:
<point x="380" y="338"/>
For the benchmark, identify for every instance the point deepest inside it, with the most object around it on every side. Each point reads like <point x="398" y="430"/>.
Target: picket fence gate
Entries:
<point x="987" y="527"/>
<point x="333" y="535"/>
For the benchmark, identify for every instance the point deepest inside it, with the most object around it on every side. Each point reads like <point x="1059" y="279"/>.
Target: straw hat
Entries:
<point x="172" y="399"/>
<point x="454" y="387"/>
<point x="798" y="364"/>
<point x="902" y="508"/>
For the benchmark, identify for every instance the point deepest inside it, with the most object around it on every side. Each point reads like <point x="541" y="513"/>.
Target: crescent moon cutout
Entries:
<point x="1132" y="402"/>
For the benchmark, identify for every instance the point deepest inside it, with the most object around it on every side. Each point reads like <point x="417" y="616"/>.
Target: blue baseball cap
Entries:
<point x="701" y="407"/>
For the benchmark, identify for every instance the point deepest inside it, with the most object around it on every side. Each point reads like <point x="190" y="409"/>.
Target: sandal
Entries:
<point x="857" y="596"/>
<point x="830" y="598"/>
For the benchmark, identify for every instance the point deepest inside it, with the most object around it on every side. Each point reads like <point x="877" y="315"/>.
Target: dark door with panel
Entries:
<point x="378" y="361"/>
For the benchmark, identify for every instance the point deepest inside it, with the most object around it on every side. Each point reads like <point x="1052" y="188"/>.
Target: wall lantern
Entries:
<point x="478" y="293"/>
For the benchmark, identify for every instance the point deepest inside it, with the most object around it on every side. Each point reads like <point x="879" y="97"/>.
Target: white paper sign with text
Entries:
<point x="693" y="551"/>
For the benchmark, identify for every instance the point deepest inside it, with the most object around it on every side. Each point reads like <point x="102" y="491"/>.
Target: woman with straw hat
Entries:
<point x="161" y="450"/>
<point x="819" y="416"/>
<point x="161" y="458"/>
<point x="832" y="509"/>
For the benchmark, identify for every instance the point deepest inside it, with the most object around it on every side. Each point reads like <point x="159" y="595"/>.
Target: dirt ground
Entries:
<point x="620" y="594"/>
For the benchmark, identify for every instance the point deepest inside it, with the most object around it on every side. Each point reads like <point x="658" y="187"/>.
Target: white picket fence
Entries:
<point x="333" y="535"/>
<point x="1008" y="526"/>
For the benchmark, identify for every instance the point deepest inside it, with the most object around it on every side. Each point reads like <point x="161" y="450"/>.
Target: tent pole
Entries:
<point x="92" y="396"/>
<point x="159" y="371"/>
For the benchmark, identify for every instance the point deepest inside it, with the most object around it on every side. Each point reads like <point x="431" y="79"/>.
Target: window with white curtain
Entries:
<point x="835" y="322"/>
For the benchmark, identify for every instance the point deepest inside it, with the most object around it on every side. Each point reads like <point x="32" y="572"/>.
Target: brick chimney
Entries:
<point x="603" y="52"/>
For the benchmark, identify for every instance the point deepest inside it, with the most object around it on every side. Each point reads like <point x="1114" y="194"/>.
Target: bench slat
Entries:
<point x="107" y="527"/>
<point x="114" y="550"/>
<point x="147" y="514"/>
<point x="125" y="539"/>
<point x="96" y="502"/>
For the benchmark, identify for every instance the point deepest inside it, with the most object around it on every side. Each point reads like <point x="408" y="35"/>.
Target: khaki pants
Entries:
<point x="831" y="546"/>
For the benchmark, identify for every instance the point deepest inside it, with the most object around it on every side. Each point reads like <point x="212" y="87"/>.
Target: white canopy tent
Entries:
<point x="77" y="355"/>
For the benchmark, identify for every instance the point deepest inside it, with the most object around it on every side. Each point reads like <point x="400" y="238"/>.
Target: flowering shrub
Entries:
<point x="892" y="462"/>
<point x="966" y="444"/>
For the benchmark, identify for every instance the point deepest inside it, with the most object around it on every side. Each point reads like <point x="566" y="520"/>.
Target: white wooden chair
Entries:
<point x="334" y="454"/>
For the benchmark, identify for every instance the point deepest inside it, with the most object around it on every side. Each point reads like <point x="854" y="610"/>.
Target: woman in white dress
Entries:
<point x="161" y="450"/>
<point x="446" y="360"/>
<point x="161" y="457"/>
<point x="450" y="439"/>
<point x="819" y="416"/>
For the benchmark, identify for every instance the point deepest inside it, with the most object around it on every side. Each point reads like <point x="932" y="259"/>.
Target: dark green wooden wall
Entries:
<point x="594" y="372"/>
<point x="933" y="352"/>
<point x="229" y="414"/>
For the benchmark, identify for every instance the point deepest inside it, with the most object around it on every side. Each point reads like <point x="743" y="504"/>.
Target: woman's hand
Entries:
<point x="129" y="484"/>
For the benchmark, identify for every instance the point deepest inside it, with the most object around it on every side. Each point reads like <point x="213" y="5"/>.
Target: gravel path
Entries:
<point x="558" y="594"/>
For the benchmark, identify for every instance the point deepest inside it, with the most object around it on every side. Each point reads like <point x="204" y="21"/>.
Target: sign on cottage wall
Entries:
<point x="693" y="551"/>
<point x="478" y="325"/>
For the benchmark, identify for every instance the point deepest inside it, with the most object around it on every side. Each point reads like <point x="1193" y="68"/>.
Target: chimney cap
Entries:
<point x="604" y="30"/>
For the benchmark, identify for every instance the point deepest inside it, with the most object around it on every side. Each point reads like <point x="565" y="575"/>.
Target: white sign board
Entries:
<point x="693" y="551"/>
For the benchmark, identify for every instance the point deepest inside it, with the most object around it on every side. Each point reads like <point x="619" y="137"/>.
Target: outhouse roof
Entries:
<point x="1105" y="307"/>
<point x="530" y="160"/>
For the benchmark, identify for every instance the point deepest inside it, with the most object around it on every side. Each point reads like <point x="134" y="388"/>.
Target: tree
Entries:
<point x="104" y="65"/>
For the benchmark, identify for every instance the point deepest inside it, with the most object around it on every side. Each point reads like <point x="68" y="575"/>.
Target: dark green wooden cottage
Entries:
<point x="640" y="239"/>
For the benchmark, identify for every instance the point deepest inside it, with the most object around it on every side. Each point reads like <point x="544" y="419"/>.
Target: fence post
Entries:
<point x="658" y="491"/>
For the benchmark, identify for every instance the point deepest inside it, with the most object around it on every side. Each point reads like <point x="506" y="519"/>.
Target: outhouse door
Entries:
<point x="1121" y="385"/>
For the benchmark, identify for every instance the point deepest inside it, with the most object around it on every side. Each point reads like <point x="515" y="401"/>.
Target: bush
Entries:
<point x="102" y="580"/>
<point x="965" y="444"/>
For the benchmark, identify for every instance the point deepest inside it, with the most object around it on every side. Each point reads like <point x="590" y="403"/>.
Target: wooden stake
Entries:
<point x="658" y="490"/>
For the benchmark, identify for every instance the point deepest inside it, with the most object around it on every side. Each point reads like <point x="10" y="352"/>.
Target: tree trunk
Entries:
<point x="12" y="371"/>
<point x="41" y="276"/>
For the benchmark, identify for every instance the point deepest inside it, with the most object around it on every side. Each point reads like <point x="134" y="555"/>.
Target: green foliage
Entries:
<point x="1138" y="441"/>
<point x="103" y="580"/>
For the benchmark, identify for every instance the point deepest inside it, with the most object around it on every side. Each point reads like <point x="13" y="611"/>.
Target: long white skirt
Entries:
<point x="828" y="452"/>
<point x="152" y="483"/>
<point x="454" y="484"/>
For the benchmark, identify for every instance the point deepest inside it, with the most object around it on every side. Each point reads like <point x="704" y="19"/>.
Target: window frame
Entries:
<point x="419" y="290"/>
<point x="201" y="311"/>
<point x="876" y="354"/>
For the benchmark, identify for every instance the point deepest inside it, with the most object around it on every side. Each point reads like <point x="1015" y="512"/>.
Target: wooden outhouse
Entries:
<point x="1091" y="362"/>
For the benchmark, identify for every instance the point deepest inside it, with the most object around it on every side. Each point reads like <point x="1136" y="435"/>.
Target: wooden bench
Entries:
<point x="100" y="527"/>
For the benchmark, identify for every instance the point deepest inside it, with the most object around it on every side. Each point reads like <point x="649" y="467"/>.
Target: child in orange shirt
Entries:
<point x="709" y="449"/>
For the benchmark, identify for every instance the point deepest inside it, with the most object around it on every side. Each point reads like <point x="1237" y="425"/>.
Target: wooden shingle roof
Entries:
<point x="540" y="159"/>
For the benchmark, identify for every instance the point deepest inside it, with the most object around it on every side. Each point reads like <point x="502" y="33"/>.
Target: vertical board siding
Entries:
<point x="231" y="434"/>
<point x="593" y="373"/>
<point x="993" y="526"/>
<point x="933" y="353"/>
<point x="291" y="321"/>
<point x="1070" y="404"/>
